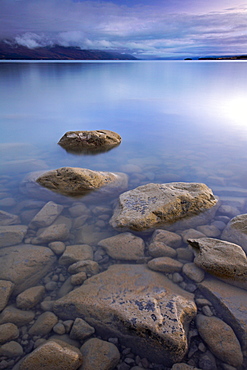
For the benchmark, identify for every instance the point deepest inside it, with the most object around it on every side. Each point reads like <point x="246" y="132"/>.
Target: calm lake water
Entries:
<point x="179" y="121"/>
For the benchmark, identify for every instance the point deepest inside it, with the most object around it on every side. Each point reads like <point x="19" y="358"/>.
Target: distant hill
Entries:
<point x="236" y="57"/>
<point x="10" y="51"/>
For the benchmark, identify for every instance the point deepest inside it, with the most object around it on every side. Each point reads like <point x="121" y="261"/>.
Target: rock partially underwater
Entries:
<point x="73" y="181"/>
<point x="142" y="307"/>
<point x="89" y="142"/>
<point x="152" y="205"/>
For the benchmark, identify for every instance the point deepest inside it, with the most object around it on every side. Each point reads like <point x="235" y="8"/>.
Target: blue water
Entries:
<point x="186" y="119"/>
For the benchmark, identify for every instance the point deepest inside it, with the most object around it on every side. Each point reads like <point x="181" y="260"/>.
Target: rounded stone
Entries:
<point x="8" y="332"/>
<point x="165" y="264"/>
<point x="44" y="324"/>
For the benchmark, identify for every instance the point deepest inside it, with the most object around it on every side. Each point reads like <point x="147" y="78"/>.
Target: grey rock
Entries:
<point x="96" y="141"/>
<point x="220" y="258"/>
<point x="53" y="355"/>
<point x="7" y="219"/>
<point x="57" y="247"/>
<point x="125" y="246"/>
<point x="11" y="349"/>
<point x="55" y="232"/>
<point x="230" y="301"/>
<point x="30" y="297"/>
<point x="130" y="301"/>
<point x="220" y="339"/>
<point x="169" y="238"/>
<point x="75" y="253"/>
<point x="6" y="288"/>
<point x="87" y="266"/>
<point x="31" y="263"/>
<point x="193" y="272"/>
<point x="236" y="231"/>
<point x="99" y="354"/>
<point x="159" y="249"/>
<point x="46" y="216"/>
<point x="16" y="316"/>
<point x="209" y="230"/>
<point x="44" y="324"/>
<point x="81" y="330"/>
<point x="8" y="332"/>
<point x="165" y="264"/>
<point x="12" y="235"/>
<point x="152" y="205"/>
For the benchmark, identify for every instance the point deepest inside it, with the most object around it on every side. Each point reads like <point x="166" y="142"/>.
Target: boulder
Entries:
<point x="53" y="355"/>
<point x="75" y="181"/>
<point x="96" y="141"/>
<point x="222" y="259"/>
<point x="231" y="303"/>
<point x="125" y="246"/>
<point x="99" y="354"/>
<point x="143" y="308"/>
<point x="220" y="339"/>
<point x="153" y="205"/>
<point x="11" y="235"/>
<point x="25" y="264"/>
<point x="236" y="231"/>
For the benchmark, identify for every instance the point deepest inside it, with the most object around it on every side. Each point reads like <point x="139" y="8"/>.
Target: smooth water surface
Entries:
<point x="179" y="121"/>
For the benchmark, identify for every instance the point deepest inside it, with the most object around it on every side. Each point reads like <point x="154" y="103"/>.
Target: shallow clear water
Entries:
<point x="179" y="121"/>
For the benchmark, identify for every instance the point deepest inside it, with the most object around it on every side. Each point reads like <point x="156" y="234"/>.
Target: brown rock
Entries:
<point x="152" y="205"/>
<point x="75" y="253"/>
<point x="6" y="288"/>
<point x="165" y="264"/>
<point x="236" y="231"/>
<point x="53" y="355"/>
<point x="12" y="235"/>
<point x="97" y="141"/>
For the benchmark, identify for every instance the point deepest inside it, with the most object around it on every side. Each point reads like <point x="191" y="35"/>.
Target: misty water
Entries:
<point x="179" y="121"/>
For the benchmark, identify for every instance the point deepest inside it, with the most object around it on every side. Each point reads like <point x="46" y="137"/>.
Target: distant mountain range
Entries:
<point x="13" y="51"/>
<point x="232" y="57"/>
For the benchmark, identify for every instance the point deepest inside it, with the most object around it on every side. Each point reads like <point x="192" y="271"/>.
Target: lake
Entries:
<point x="180" y="121"/>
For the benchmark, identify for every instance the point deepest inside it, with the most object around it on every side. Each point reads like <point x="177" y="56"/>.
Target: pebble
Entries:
<point x="59" y="328"/>
<point x="206" y="310"/>
<point x="75" y="253"/>
<point x="8" y="332"/>
<point x="185" y="254"/>
<point x="177" y="278"/>
<point x="6" y="288"/>
<point x="30" y="297"/>
<point x="51" y="285"/>
<point x="191" y="234"/>
<point x="87" y="266"/>
<point x="159" y="249"/>
<point x="78" y="279"/>
<point x="68" y="325"/>
<point x="47" y="305"/>
<point x="210" y="231"/>
<point x="193" y="272"/>
<point x="16" y="316"/>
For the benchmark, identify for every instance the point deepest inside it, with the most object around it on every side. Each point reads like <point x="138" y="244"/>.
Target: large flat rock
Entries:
<point x="152" y="205"/>
<point x="25" y="264"/>
<point x="142" y="307"/>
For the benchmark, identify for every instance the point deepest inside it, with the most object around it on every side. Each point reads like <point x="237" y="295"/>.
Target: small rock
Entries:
<point x="221" y="339"/>
<point x="81" y="330"/>
<point x="185" y="254"/>
<point x="18" y="317"/>
<point x="207" y="361"/>
<point x="99" y="354"/>
<point x="165" y="264"/>
<point x="79" y="278"/>
<point x="52" y="233"/>
<point x="6" y="288"/>
<point x="11" y="349"/>
<point x="75" y="253"/>
<point x="57" y="247"/>
<point x="159" y="249"/>
<point x="193" y="272"/>
<point x="209" y="230"/>
<point x="169" y="238"/>
<point x="53" y="355"/>
<point x="59" y="328"/>
<point x="12" y="235"/>
<point x="46" y="216"/>
<point x="30" y="297"/>
<point x="8" y="332"/>
<point x="125" y="246"/>
<point x="44" y="324"/>
<point x="191" y="234"/>
<point x="89" y="267"/>
<point x="7" y="219"/>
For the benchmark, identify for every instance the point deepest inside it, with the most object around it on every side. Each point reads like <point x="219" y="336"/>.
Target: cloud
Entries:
<point x="146" y="28"/>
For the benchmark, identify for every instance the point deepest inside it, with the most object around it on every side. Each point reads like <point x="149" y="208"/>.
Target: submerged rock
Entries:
<point x="25" y="264"/>
<point x="236" y="231"/>
<point x="11" y="235"/>
<point x="225" y="260"/>
<point x="80" y="181"/>
<point x="231" y="303"/>
<point x="153" y="205"/>
<point x="142" y="307"/>
<point x="96" y="141"/>
<point x="53" y="355"/>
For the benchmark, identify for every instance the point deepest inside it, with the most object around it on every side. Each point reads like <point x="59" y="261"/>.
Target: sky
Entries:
<point x="147" y="29"/>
